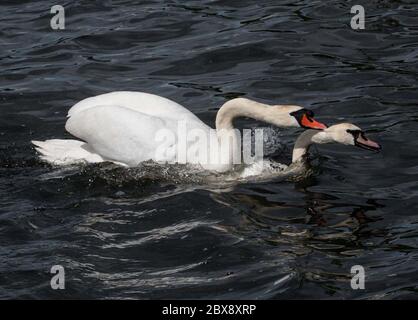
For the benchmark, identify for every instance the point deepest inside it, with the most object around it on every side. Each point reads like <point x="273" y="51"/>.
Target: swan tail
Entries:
<point x="66" y="152"/>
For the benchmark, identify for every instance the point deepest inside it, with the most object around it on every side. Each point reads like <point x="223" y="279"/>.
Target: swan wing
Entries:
<point x="123" y="135"/>
<point x="117" y="133"/>
<point x="142" y="102"/>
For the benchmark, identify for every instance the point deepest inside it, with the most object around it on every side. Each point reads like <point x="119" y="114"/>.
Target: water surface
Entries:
<point x="135" y="235"/>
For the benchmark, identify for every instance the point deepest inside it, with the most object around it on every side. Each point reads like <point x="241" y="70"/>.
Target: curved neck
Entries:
<point x="240" y="107"/>
<point x="302" y="144"/>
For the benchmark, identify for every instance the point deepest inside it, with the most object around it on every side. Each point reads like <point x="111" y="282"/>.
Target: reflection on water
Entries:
<point x="154" y="232"/>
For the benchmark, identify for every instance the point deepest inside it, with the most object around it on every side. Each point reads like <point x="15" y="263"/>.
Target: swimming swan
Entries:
<point x="343" y="133"/>
<point x="123" y="127"/>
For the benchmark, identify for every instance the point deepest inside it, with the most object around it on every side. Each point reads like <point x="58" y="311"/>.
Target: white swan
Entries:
<point x="122" y="127"/>
<point x="343" y="133"/>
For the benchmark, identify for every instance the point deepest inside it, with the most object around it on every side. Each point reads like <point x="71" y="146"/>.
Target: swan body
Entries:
<point x="124" y="128"/>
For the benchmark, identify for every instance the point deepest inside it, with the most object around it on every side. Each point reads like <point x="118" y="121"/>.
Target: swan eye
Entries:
<point x="302" y="112"/>
<point x="298" y="113"/>
<point x="355" y="133"/>
<point x="310" y="114"/>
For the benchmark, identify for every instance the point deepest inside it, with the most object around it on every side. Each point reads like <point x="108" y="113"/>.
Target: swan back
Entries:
<point x="145" y="103"/>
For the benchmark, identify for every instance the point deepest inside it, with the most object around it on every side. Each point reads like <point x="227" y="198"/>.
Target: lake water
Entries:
<point x="139" y="234"/>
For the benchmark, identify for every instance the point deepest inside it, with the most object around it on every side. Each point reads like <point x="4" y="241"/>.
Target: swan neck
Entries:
<point x="302" y="144"/>
<point x="240" y="107"/>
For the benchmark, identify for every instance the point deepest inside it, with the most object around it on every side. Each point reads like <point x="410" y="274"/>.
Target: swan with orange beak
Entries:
<point x="305" y="119"/>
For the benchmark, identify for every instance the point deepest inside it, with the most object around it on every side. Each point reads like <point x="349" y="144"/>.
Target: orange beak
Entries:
<point x="312" y="123"/>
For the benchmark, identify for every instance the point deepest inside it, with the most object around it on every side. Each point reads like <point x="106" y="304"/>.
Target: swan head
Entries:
<point x="278" y="115"/>
<point x="301" y="117"/>
<point x="347" y="134"/>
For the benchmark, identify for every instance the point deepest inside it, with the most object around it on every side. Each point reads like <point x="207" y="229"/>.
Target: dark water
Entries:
<point x="120" y="235"/>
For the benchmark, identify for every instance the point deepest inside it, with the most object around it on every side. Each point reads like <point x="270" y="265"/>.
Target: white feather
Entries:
<point x="64" y="152"/>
